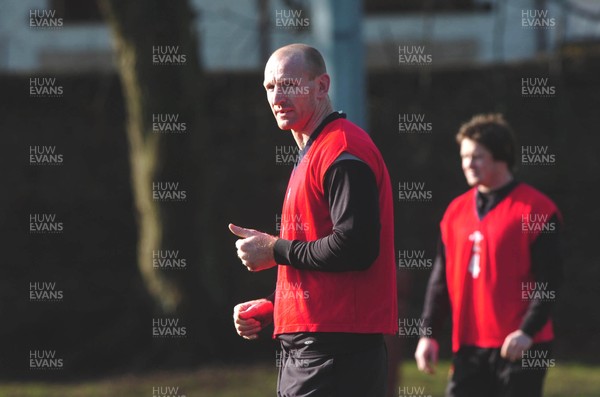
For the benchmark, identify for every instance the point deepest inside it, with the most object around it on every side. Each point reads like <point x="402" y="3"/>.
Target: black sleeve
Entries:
<point x="271" y="298"/>
<point x="546" y="266"/>
<point x="437" y="301"/>
<point x="353" y="198"/>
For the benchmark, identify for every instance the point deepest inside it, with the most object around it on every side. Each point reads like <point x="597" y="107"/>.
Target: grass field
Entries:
<point x="564" y="380"/>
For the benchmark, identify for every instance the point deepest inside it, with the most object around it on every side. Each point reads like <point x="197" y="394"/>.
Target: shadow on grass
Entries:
<point x="566" y="379"/>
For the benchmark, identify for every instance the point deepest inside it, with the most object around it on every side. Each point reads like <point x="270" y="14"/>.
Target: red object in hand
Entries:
<point x="259" y="309"/>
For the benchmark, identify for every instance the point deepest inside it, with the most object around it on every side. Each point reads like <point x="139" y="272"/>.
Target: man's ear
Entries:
<point x="322" y="85"/>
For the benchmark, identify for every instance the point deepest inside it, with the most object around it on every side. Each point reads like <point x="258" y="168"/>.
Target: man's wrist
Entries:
<point x="526" y="332"/>
<point x="281" y="251"/>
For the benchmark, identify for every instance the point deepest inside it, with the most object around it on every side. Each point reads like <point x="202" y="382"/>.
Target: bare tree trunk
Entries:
<point x="157" y="85"/>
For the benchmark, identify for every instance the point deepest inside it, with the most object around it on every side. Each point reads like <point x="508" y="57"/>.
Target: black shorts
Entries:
<point x="482" y="372"/>
<point x="331" y="365"/>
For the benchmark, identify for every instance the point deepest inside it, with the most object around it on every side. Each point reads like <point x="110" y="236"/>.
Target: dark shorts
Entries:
<point x="480" y="372"/>
<point x="331" y="365"/>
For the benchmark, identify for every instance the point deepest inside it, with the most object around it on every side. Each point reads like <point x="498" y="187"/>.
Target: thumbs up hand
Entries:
<point x="255" y="249"/>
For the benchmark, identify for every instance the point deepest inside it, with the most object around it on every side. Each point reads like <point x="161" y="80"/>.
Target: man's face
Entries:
<point x="478" y="164"/>
<point x="290" y="93"/>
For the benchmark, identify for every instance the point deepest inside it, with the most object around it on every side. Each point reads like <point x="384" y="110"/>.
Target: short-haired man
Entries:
<point x="336" y="286"/>
<point x="497" y="272"/>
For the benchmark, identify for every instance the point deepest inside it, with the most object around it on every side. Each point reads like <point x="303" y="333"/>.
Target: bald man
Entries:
<point x="335" y="296"/>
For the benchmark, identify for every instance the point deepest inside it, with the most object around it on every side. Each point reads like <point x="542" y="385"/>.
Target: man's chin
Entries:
<point x="284" y="125"/>
<point x="473" y="182"/>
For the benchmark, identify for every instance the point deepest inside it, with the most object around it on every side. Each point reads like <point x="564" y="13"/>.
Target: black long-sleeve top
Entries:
<point x="351" y="192"/>
<point x="546" y="266"/>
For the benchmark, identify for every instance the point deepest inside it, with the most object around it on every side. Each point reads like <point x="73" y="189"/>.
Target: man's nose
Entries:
<point x="278" y="96"/>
